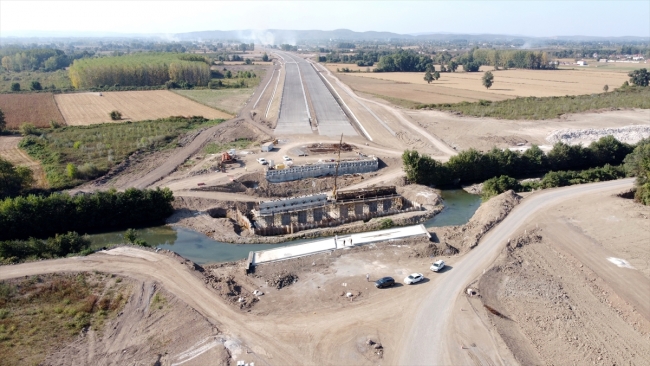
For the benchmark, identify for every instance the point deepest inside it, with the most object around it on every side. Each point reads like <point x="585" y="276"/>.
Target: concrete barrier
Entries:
<point x="319" y="170"/>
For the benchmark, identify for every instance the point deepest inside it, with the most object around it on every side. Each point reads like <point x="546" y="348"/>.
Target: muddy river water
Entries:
<point x="459" y="208"/>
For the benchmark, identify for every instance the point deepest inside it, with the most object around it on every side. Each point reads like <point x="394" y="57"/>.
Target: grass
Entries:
<point x="43" y="313"/>
<point x="404" y="103"/>
<point x="216" y="148"/>
<point x="158" y="301"/>
<point x="94" y="149"/>
<point x="59" y="79"/>
<point x="226" y="100"/>
<point x="35" y="108"/>
<point x="550" y="107"/>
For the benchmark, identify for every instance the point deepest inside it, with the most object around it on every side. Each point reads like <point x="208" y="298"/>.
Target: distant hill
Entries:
<point x="279" y="36"/>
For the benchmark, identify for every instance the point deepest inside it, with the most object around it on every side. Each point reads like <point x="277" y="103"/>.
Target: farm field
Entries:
<point x="459" y="86"/>
<point x="91" y="108"/>
<point x="9" y="151"/>
<point x="227" y="100"/>
<point x="35" y="108"/>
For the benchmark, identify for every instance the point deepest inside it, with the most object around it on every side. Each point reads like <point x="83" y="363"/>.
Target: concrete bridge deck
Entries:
<point x="338" y="242"/>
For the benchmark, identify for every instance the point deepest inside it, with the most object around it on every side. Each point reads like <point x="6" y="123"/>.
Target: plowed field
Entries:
<point x="9" y="151"/>
<point x="36" y="108"/>
<point x="91" y="108"/>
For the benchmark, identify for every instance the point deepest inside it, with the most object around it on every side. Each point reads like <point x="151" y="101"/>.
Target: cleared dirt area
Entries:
<point x="35" y="108"/>
<point x="9" y="151"/>
<point x="571" y="289"/>
<point x="455" y="87"/>
<point x="484" y="133"/>
<point x="90" y="108"/>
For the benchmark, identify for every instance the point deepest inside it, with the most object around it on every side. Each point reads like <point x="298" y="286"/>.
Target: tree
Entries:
<point x="130" y="235"/>
<point x="428" y="77"/>
<point x="15" y="87"/>
<point x="436" y="75"/>
<point x="637" y="163"/>
<point x="605" y="88"/>
<point x="265" y="57"/>
<point x="497" y="185"/>
<point x="115" y="115"/>
<point x="3" y="123"/>
<point x="35" y="85"/>
<point x="639" y="77"/>
<point x="430" y="68"/>
<point x="14" y="180"/>
<point x="453" y="65"/>
<point x="488" y="79"/>
<point x="71" y="170"/>
<point x="248" y="61"/>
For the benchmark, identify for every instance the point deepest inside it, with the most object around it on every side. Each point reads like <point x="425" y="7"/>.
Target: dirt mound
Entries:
<point x="231" y="291"/>
<point x="281" y="279"/>
<point x="425" y="196"/>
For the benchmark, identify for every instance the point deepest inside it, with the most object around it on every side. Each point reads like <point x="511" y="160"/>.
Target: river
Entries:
<point x="199" y="248"/>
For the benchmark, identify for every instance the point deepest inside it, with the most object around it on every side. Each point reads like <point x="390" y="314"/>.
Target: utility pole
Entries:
<point x="336" y="172"/>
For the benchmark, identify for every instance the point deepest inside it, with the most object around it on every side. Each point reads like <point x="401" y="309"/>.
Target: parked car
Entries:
<point x="413" y="278"/>
<point x="262" y="161"/>
<point x="438" y="265"/>
<point x="385" y="282"/>
<point x="286" y="158"/>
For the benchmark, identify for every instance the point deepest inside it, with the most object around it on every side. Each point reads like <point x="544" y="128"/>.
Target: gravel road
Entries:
<point x="425" y="342"/>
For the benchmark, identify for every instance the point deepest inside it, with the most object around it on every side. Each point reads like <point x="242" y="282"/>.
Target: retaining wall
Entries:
<point x="319" y="170"/>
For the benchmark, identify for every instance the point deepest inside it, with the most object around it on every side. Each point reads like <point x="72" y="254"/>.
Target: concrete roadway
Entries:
<point x="424" y="341"/>
<point x="294" y="116"/>
<point x="331" y="119"/>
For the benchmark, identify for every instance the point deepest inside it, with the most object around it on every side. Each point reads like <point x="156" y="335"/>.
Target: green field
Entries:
<point x="59" y="79"/>
<point x="225" y="100"/>
<point x="550" y="107"/>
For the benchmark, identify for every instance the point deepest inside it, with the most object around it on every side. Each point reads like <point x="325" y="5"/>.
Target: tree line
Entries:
<point x="403" y="61"/>
<point x="472" y="166"/>
<point x="14" y="251"/>
<point x="506" y="59"/>
<point x="139" y="70"/>
<point x="43" y="216"/>
<point x="45" y="59"/>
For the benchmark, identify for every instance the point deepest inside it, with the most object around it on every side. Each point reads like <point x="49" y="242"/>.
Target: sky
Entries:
<point x="526" y="18"/>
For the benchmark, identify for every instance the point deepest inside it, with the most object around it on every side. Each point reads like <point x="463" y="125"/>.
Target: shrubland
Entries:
<point x="93" y="150"/>
<point x="40" y="314"/>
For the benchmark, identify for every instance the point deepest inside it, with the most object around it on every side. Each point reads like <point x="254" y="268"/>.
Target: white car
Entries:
<point x="262" y="161"/>
<point x="413" y="278"/>
<point x="438" y="265"/>
<point x="286" y="158"/>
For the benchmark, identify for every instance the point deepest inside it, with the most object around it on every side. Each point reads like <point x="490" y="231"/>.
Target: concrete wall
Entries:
<point x="319" y="170"/>
<point x="292" y="204"/>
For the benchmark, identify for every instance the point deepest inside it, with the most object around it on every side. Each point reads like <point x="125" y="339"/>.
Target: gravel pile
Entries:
<point x="629" y="134"/>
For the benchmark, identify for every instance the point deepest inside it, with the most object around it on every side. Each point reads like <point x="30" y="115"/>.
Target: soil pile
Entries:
<point x="461" y="239"/>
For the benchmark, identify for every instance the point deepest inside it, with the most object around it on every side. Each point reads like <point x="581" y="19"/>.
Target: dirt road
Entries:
<point x="192" y="148"/>
<point x="427" y="337"/>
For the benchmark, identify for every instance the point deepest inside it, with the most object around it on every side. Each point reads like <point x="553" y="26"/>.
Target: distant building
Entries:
<point x="582" y="63"/>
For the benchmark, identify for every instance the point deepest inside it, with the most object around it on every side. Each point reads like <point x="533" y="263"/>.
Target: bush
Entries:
<point x="35" y="85"/>
<point x="15" y="87"/>
<point x="496" y="186"/>
<point x="60" y="245"/>
<point x="115" y="115"/>
<point x="386" y="224"/>
<point x="27" y="129"/>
